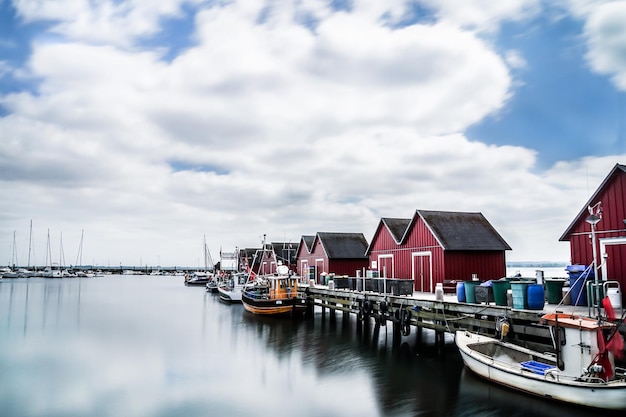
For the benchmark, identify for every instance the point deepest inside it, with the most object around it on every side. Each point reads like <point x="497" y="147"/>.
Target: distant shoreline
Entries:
<point x="536" y="264"/>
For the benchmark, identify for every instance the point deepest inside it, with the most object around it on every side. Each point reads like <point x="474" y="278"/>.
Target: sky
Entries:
<point x="133" y="130"/>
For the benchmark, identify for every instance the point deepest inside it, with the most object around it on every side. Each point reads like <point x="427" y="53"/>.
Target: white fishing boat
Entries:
<point x="230" y="290"/>
<point x="581" y="372"/>
<point x="198" y="279"/>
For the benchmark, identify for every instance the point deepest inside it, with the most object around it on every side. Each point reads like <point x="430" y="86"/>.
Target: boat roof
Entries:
<point x="575" y="322"/>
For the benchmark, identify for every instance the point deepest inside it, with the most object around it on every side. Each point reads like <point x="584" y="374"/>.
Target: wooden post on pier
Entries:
<point x="310" y="308"/>
<point x="418" y="332"/>
<point x="397" y="333"/>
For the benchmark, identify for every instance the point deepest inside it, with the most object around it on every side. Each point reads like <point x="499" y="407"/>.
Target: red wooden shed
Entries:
<point x="331" y="253"/>
<point x="609" y="204"/>
<point x="435" y="246"/>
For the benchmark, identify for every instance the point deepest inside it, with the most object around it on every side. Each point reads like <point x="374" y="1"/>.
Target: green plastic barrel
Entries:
<point x="554" y="288"/>
<point x="470" y="295"/>
<point x="499" y="291"/>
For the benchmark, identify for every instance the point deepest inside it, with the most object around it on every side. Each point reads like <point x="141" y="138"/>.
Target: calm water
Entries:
<point x="149" y="346"/>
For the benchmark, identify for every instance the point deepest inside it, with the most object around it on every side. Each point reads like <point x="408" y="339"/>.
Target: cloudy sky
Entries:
<point x="144" y="126"/>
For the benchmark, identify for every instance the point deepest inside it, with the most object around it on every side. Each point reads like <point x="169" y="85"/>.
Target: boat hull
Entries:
<point x="196" y="283"/>
<point x="229" y="296"/>
<point x="289" y="306"/>
<point x="608" y="395"/>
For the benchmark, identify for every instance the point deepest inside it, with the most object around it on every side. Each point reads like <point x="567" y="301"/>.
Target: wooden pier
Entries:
<point x="411" y="314"/>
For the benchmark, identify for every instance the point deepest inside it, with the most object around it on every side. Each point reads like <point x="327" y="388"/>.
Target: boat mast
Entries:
<point x="14" y="253"/>
<point x="61" y="254"/>
<point x="30" y="241"/>
<point x="48" y="251"/>
<point x="79" y="255"/>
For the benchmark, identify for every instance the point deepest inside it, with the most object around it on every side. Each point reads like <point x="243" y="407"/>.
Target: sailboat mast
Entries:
<point x="61" y="254"/>
<point x="48" y="251"/>
<point x="79" y="255"/>
<point x="206" y="258"/>
<point x="30" y="241"/>
<point x="14" y="254"/>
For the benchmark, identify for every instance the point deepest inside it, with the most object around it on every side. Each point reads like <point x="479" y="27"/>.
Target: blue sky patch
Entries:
<point x="178" y="166"/>
<point x="176" y="34"/>
<point x="562" y="109"/>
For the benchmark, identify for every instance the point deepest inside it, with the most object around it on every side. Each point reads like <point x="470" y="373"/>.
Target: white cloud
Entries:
<point x="515" y="59"/>
<point x="484" y="15"/>
<point x="606" y="38"/>
<point x="102" y="22"/>
<point x="294" y="130"/>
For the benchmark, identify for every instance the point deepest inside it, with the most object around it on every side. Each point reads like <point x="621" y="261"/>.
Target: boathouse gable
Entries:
<point x="609" y="201"/>
<point x="436" y="246"/>
<point x="331" y="253"/>
<point x="277" y="253"/>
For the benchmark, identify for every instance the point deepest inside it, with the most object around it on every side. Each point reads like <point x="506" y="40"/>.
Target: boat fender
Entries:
<point x="367" y="307"/>
<point x="383" y="307"/>
<point x="405" y="322"/>
<point x="505" y="329"/>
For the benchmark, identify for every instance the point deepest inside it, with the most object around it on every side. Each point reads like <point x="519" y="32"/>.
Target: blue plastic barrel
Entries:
<point x="460" y="291"/>
<point x="577" y="283"/>
<point x="536" y="297"/>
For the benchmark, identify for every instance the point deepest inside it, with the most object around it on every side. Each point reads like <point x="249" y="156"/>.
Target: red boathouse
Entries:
<point x="608" y="203"/>
<point x="435" y="246"/>
<point x="331" y="253"/>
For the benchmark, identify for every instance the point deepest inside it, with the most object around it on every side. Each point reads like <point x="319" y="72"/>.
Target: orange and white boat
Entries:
<point x="275" y="294"/>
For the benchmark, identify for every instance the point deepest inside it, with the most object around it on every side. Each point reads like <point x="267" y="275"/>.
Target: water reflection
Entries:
<point x="149" y="346"/>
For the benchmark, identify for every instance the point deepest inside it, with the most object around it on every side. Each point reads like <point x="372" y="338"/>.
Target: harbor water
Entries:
<point x="149" y="346"/>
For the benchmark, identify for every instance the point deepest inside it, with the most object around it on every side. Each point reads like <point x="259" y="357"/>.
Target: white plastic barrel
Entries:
<point x="439" y="291"/>
<point x="612" y="290"/>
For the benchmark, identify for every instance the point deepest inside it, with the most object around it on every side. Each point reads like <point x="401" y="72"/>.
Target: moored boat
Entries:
<point x="230" y="289"/>
<point x="197" y="279"/>
<point x="275" y="294"/>
<point x="582" y="372"/>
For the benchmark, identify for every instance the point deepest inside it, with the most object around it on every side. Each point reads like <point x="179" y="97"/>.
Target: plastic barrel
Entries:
<point x="499" y="291"/>
<point x="614" y="293"/>
<point x="554" y="291"/>
<point x="536" y="297"/>
<point x="592" y="298"/>
<point x="470" y="295"/>
<point x="460" y="291"/>
<point x="578" y="292"/>
<point x="520" y="295"/>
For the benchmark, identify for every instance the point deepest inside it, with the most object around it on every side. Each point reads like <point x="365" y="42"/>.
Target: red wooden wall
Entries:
<point x="610" y="230"/>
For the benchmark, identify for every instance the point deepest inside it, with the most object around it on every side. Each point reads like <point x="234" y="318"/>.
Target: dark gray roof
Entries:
<point x="343" y="245"/>
<point x="397" y="227"/>
<point x="308" y="242"/>
<point x="462" y="231"/>
<point x="285" y="251"/>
